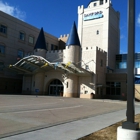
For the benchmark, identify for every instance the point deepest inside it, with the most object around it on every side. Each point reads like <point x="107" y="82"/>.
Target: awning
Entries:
<point x="33" y="64"/>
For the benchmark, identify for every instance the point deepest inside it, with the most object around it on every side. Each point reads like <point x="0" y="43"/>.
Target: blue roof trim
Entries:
<point x="40" y="43"/>
<point x="73" y="38"/>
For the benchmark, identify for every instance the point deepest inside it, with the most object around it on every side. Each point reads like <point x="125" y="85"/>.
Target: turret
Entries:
<point x="73" y="47"/>
<point x="40" y="46"/>
<point x="72" y="54"/>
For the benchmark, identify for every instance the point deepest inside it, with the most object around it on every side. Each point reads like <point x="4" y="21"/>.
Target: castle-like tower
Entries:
<point x="98" y="26"/>
<point x="40" y="46"/>
<point x="72" y="56"/>
<point x="39" y="50"/>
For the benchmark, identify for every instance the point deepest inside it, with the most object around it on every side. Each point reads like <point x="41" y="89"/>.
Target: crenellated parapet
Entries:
<point x="55" y="56"/>
<point x="81" y="9"/>
<point x="100" y="50"/>
<point x="55" y="51"/>
<point x="64" y="37"/>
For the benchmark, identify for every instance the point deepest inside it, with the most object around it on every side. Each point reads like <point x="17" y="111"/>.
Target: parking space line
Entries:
<point x="38" y="110"/>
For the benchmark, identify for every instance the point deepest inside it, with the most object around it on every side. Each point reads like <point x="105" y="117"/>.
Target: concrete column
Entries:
<point x="39" y="83"/>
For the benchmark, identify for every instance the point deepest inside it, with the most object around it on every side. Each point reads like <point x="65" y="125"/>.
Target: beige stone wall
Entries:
<point x="55" y="56"/>
<point x="72" y="54"/>
<point x="38" y="82"/>
<point x="137" y="91"/>
<point x="108" y="27"/>
<point x="27" y="84"/>
<point x="100" y="67"/>
<point x="71" y="86"/>
<point x="40" y="52"/>
<point x="89" y="58"/>
<point x="86" y="84"/>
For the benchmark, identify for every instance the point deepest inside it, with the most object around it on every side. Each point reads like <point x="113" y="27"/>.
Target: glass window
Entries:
<point x="97" y="32"/>
<point x="95" y="4"/>
<point x="123" y="65"/>
<point x="87" y="67"/>
<point x="101" y="2"/>
<point x="31" y="40"/>
<point x="3" y="29"/>
<point x="20" y="54"/>
<point x="113" y="88"/>
<point x="137" y="64"/>
<point x="2" y="49"/>
<point x="1" y="66"/>
<point x="22" y="36"/>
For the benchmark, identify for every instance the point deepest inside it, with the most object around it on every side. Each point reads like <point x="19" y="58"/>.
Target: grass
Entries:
<point x="109" y="133"/>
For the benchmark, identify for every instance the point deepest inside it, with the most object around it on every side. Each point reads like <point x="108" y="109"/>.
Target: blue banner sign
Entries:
<point x="93" y="15"/>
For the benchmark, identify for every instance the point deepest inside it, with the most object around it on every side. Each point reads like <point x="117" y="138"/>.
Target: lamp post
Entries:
<point x="130" y="124"/>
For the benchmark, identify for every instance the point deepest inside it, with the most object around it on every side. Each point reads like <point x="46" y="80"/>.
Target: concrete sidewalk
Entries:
<point x="75" y="129"/>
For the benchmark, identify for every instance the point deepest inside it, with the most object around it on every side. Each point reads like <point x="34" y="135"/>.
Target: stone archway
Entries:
<point x="55" y="88"/>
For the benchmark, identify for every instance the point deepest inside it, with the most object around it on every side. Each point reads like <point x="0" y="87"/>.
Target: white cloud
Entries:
<point x="138" y="20"/>
<point x="12" y="10"/>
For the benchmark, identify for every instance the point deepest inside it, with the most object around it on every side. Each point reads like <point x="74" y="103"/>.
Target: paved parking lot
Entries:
<point x="20" y="114"/>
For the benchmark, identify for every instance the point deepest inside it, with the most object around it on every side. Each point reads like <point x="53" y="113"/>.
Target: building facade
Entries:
<point x="80" y="64"/>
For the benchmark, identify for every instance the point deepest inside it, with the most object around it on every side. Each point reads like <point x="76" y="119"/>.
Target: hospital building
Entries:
<point x="84" y="63"/>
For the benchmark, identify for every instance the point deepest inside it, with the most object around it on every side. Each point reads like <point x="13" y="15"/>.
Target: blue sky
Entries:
<point x="57" y="17"/>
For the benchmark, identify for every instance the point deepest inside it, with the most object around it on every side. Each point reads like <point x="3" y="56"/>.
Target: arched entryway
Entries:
<point x="55" y="88"/>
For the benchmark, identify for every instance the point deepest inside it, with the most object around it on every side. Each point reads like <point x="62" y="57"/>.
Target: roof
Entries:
<point x="73" y="38"/>
<point x="40" y="43"/>
<point x="33" y="64"/>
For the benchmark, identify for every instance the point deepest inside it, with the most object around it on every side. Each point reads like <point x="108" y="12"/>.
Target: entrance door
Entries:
<point x="55" y="88"/>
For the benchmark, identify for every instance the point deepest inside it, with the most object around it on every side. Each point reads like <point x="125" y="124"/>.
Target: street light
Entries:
<point x="130" y="124"/>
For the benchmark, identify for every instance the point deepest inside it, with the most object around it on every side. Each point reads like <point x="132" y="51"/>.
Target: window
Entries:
<point x="52" y="47"/>
<point x="86" y="92"/>
<point x="113" y="88"/>
<point x="1" y="66"/>
<point x="3" y="29"/>
<point x="22" y="36"/>
<point x="31" y="39"/>
<point x="87" y="67"/>
<point x="97" y="32"/>
<point x="20" y="54"/>
<point x="2" y="49"/>
<point x="101" y="2"/>
<point x="67" y="84"/>
<point x="101" y="63"/>
<point x="95" y="4"/>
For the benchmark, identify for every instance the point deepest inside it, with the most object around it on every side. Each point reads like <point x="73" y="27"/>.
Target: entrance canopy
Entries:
<point x="33" y="64"/>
